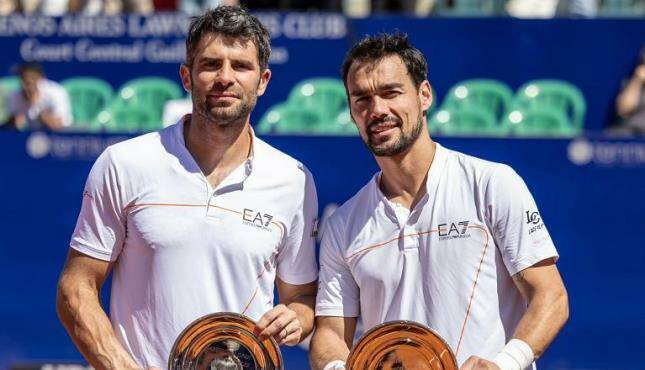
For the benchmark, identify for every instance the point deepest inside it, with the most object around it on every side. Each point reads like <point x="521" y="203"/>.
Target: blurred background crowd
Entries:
<point x="353" y="8"/>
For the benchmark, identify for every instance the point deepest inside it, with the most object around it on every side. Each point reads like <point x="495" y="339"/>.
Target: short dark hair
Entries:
<point x="230" y="21"/>
<point x="375" y="48"/>
<point x="31" y="67"/>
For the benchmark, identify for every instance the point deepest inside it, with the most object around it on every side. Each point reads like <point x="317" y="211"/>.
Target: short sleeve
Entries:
<point x="513" y="216"/>
<point x="100" y="228"/>
<point x="297" y="258"/>
<point x="338" y="294"/>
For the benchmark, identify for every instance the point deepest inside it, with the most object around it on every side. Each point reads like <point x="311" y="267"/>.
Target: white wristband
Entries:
<point x="335" y="365"/>
<point x="516" y="355"/>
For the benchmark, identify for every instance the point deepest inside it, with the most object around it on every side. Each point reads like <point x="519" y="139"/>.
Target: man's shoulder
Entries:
<point x="52" y="87"/>
<point x="138" y="151"/>
<point x="474" y="168"/>
<point x="354" y="209"/>
<point x="278" y="162"/>
<point x="485" y="175"/>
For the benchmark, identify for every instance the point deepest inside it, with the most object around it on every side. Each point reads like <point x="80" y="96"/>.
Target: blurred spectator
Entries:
<point x="197" y="6"/>
<point x="96" y="7"/>
<point x="630" y="103"/>
<point x="85" y="7"/>
<point x="8" y="7"/>
<point x="139" y="6"/>
<point x="45" y="7"/>
<point x="40" y="103"/>
<point x="577" y="8"/>
<point x="363" y="8"/>
<point x="531" y="8"/>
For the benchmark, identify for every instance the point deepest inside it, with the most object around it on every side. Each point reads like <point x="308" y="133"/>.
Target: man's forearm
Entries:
<point x="326" y="346"/>
<point x="303" y="307"/>
<point x="51" y="121"/>
<point x="90" y="329"/>
<point x="546" y="314"/>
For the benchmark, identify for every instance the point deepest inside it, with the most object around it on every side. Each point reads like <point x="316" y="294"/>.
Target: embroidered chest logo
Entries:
<point x="257" y="219"/>
<point x="453" y="230"/>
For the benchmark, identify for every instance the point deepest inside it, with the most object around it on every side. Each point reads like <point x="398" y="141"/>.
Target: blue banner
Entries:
<point x="594" y="54"/>
<point x="589" y="191"/>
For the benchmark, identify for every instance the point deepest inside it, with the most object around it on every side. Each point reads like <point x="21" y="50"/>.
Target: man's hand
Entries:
<point x="282" y="324"/>
<point x="49" y="119"/>
<point x="478" y="363"/>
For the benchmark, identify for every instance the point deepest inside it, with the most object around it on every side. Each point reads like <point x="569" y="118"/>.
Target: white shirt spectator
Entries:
<point x="52" y="97"/>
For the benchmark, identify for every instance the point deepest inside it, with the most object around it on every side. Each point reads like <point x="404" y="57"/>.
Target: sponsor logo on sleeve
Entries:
<point x="534" y="221"/>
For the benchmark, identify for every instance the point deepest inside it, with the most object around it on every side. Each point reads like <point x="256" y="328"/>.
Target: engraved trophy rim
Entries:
<point x="428" y="337"/>
<point x="221" y="321"/>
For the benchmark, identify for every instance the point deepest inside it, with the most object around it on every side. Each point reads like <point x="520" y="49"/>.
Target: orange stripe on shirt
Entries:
<point x="472" y="294"/>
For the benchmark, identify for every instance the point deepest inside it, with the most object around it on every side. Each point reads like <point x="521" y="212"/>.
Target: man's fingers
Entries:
<point x="274" y="321"/>
<point x="278" y="324"/>
<point x="291" y="332"/>
<point x="293" y="338"/>
<point x="470" y="362"/>
<point x="268" y="317"/>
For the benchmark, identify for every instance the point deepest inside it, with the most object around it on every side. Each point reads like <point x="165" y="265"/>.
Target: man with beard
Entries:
<point x="437" y="237"/>
<point x="200" y="217"/>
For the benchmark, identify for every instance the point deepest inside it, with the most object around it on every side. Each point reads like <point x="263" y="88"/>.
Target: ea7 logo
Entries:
<point x="256" y="218"/>
<point x="533" y="217"/>
<point x="455" y="228"/>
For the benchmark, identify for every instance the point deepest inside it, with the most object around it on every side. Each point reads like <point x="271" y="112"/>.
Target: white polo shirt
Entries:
<point x="446" y="264"/>
<point x="183" y="249"/>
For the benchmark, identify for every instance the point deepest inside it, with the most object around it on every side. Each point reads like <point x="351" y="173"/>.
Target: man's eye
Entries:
<point x="391" y="94"/>
<point x="360" y="99"/>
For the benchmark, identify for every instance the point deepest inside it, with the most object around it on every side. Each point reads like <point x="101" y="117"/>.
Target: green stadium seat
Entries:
<point x="149" y="92"/>
<point x="622" y="8"/>
<point x="490" y="95"/>
<point x="554" y="94"/>
<point x="285" y="118"/>
<point x="88" y="97"/>
<point x="325" y="95"/>
<point x="468" y="120"/>
<point x="343" y="125"/>
<point x="539" y="122"/>
<point x="127" y="119"/>
<point x="10" y="83"/>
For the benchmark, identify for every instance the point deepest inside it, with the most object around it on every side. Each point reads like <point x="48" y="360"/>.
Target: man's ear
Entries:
<point x="264" y="81"/>
<point x="425" y="95"/>
<point x="184" y="73"/>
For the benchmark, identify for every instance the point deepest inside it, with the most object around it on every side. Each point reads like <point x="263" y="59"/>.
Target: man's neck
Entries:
<point x="218" y="150"/>
<point x="404" y="176"/>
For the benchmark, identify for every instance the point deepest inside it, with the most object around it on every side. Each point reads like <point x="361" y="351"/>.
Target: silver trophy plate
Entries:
<point x="223" y="341"/>
<point x="401" y="345"/>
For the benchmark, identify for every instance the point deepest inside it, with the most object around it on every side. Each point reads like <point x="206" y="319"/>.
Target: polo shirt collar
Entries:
<point x="237" y="177"/>
<point x="434" y="174"/>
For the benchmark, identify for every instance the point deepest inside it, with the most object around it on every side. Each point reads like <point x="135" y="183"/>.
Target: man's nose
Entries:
<point x="378" y="108"/>
<point x="225" y="75"/>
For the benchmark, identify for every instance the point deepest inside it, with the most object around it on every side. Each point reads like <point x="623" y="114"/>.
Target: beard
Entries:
<point x="233" y="115"/>
<point x="402" y="143"/>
